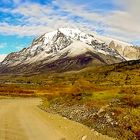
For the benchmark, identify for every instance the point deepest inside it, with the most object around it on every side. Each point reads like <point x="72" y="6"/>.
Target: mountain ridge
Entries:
<point x="61" y="46"/>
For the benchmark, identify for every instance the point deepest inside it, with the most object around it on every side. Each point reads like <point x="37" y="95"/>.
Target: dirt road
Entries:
<point x="21" y="119"/>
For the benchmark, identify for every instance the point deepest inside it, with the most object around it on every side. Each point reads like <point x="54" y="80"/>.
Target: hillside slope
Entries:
<point x="66" y="48"/>
<point x="105" y="98"/>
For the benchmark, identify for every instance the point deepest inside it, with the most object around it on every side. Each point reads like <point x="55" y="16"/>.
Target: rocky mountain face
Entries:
<point x="128" y="52"/>
<point x="63" y="49"/>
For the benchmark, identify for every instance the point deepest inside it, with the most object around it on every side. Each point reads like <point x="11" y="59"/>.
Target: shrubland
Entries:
<point x="107" y="98"/>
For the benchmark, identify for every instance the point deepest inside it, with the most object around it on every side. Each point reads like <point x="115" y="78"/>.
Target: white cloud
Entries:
<point x="3" y="45"/>
<point x="38" y="19"/>
<point x="32" y="10"/>
<point x="123" y="24"/>
<point x="2" y="56"/>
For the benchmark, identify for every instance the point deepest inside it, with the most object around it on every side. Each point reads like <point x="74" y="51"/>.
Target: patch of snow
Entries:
<point x="73" y="33"/>
<point x="78" y="48"/>
<point x="103" y="52"/>
<point x="49" y="36"/>
<point x="107" y="40"/>
<point x="2" y="57"/>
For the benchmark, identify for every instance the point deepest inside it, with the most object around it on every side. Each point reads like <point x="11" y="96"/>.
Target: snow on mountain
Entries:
<point x="2" y="57"/>
<point x="62" y="43"/>
<point x="107" y="40"/>
<point x="127" y="50"/>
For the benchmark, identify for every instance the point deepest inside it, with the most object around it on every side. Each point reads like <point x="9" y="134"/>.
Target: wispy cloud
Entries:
<point x="3" y="45"/>
<point x="123" y="23"/>
<point x="121" y="20"/>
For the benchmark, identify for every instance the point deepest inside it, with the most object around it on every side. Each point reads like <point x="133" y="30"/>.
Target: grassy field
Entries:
<point x="105" y="98"/>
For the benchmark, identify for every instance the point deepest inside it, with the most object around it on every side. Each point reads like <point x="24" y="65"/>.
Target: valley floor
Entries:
<point x="106" y="99"/>
<point x="22" y="119"/>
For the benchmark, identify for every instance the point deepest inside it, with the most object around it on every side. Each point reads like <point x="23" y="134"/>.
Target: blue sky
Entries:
<point x="23" y="20"/>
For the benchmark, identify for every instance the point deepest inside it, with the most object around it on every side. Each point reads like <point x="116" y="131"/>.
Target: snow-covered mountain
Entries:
<point x="64" y="47"/>
<point x="127" y="50"/>
<point x="57" y="43"/>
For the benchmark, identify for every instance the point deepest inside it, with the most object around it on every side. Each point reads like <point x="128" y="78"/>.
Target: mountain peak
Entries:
<point x="67" y="44"/>
<point x="68" y="32"/>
